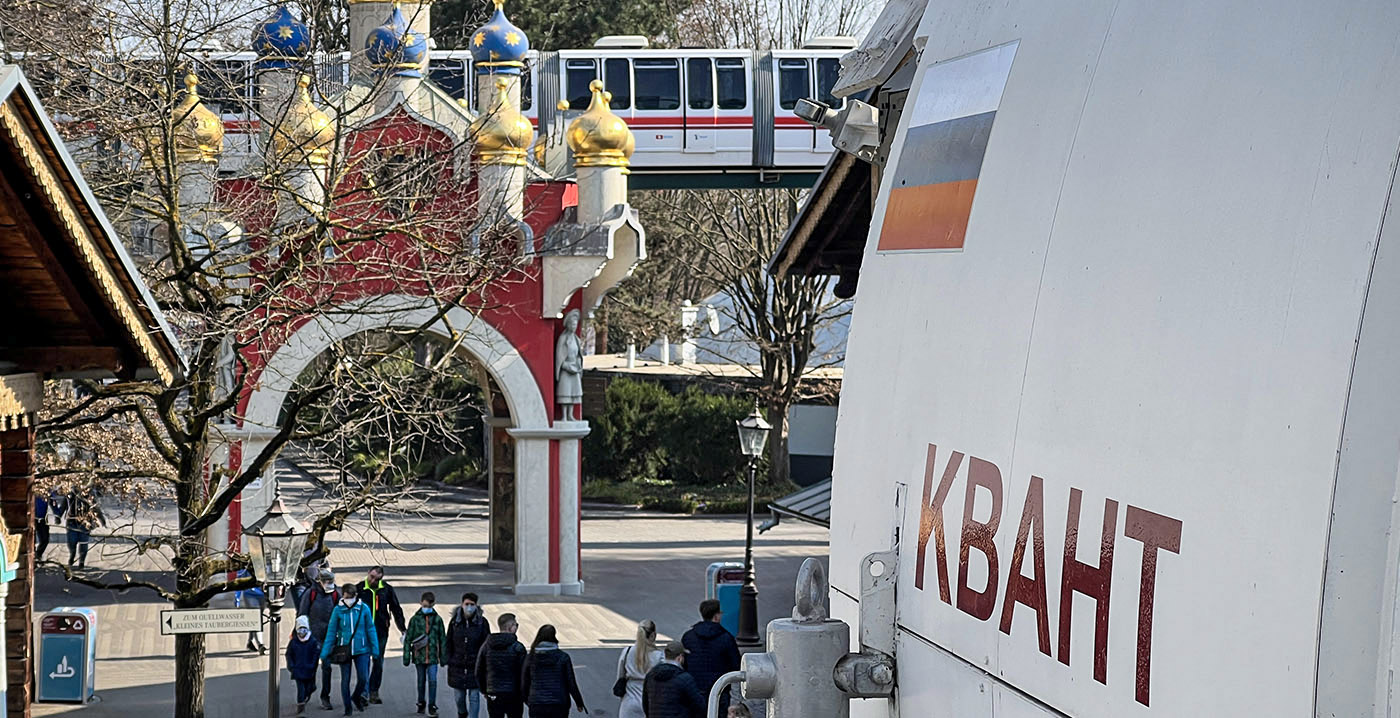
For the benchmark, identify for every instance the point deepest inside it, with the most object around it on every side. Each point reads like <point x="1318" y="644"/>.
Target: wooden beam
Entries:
<point x="64" y="359"/>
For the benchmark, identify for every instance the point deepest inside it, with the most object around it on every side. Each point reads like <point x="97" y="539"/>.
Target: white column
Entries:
<point x="570" y="576"/>
<point x="599" y="190"/>
<point x="532" y="514"/>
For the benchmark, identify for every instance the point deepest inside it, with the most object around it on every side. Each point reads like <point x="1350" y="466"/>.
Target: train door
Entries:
<point x="700" y="111"/>
<point x="656" y="109"/>
<point x="793" y="139"/>
<point x="826" y="70"/>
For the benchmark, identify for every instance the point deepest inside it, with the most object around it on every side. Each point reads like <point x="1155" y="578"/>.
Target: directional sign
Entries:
<point x="210" y="620"/>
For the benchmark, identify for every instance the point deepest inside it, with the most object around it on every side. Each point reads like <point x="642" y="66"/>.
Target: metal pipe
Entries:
<point x="720" y="686"/>
<point x="273" y="596"/>
<point x="748" y="593"/>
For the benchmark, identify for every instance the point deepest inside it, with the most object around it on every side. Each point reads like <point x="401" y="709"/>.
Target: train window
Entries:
<point x="449" y="76"/>
<point x="617" y="79"/>
<point x="794" y="83"/>
<point x="658" y="84"/>
<point x="527" y="89"/>
<point x="699" y="83"/>
<point x="578" y="74"/>
<point x="827" y="70"/>
<point x="223" y="85"/>
<point x="733" y="83"/>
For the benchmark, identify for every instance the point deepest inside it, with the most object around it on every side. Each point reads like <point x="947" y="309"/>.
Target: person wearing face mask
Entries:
<point x="425" y="648"/>
<point x="316" y="605"/>
<point x="466" y="635"/>
<point x="351" y="627"/>
<point x="303" y="653"/>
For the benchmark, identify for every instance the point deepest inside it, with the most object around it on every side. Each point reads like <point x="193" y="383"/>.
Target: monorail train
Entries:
<point x="692" y="110"/>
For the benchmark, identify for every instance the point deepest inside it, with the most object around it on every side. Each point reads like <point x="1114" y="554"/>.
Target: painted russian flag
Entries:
<point x="934" y="183"/>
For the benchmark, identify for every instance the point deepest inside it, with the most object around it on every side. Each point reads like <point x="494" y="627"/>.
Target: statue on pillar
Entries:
<point x="568" y="367"/>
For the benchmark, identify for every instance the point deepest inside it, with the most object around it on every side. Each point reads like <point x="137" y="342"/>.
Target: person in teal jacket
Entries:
<point x="352" y="624"/>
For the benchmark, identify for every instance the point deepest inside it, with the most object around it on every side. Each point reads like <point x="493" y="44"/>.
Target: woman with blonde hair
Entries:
<point x="632" y="667"/>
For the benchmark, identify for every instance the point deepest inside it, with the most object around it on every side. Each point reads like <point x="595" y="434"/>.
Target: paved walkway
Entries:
<point x="635" y="568"/>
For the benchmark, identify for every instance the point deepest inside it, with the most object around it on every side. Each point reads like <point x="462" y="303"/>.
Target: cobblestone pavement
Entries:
<point x="635" y="568"/>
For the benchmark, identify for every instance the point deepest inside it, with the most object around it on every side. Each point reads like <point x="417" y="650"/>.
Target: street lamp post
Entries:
<point x="275" y="544"/>
<point x="753" y="434"/>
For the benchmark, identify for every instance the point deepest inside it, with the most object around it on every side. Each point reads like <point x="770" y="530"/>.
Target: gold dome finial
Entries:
<point x="598" y="137"/>
<point x="198" y="132"/>
<point x="502" y="134"/>
<point x="500" y="4"/>
<point x="305" y="134"/>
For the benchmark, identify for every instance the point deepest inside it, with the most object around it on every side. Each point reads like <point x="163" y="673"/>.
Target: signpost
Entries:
<point x="210" y="620"/>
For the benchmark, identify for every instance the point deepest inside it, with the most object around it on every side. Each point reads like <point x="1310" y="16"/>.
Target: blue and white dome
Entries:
<point x="282" y="41"/>
<point x="498" y="47"/>
<point x="395" y="48"/>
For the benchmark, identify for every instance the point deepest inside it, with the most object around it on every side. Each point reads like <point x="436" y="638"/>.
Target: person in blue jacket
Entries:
<point x="303" y="657"/>
<point x="352" y="624"/>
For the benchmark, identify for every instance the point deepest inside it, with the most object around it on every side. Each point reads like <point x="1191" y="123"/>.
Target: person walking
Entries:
<point x="83" y="514"/>
<point x="425" y="647"/>
<point x="669" y="691"/>
<point x="465" y="637"/>
<point x="713" y="651"/>
<point x="303" y="654"/>
<point x="632" y="667"/>
<point x="383" y="604"/>
<point x="41" y="527"/>
<point x="251" y="598"/>
<point x="350" y="641"/>
<point x="498" y="669"/>
<point x="316" y="605"/>
<point x="548" y="678"/>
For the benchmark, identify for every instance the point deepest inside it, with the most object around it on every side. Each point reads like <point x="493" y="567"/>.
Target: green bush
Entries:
<point x="627" y="440"/>
<point x="701" y="441"/>
<point x="682" y="504"/>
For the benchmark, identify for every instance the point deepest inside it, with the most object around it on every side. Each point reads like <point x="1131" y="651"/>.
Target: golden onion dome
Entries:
<point x="502" y="134"/>
<point x="598" y="137"/>
<point x="199" y="133"/>
<point x="305" y="134"/>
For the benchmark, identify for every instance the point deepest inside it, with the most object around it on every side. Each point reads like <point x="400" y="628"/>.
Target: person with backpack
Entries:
<point x="350" y="641"/>
<point x="498" y="669"/>
<point x="252" y="597"/>
<point x="425" y="648"/>
<point x="548" y="678"/>
<point x="303" y="654"/>
<point x="632" y="667"/>
<point x="383" y="604"/>
<point x="465" y="636"/>
<point x="316" y="605"/>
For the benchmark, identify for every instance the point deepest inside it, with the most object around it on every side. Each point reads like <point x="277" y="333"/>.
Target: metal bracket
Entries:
<point x="855" y="128"/>
<point x="871" y="673"/>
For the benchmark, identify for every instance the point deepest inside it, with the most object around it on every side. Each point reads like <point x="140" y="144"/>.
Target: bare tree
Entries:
<point x="768" y="24"/>
<point x="233" y="273"/>
<point x="776" y="324"/>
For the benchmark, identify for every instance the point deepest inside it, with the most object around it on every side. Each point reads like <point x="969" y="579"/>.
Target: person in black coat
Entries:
<point x="713" y="651"/>
<point x="466" y="633"/>
<point x="316" y="605"/>
<point x="384" y="603"/>
<point x="548" y="678"/>
<point x="498" y="669"/>
<point x="669" y="691"/>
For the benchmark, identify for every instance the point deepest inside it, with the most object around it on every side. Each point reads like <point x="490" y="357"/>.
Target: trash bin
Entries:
<point x="723" y="579"/>
<point x="67" y="666"/>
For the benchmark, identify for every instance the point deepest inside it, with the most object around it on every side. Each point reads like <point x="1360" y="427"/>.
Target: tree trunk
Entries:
<point x="779" y="473"/>
<point x="189" y="675"/>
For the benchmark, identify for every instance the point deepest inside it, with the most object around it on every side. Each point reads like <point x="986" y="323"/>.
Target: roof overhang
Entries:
<point x="828" y="234"/>
<point x="82" y="308"/>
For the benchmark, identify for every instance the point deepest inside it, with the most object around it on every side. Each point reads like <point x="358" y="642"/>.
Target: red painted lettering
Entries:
<point x="931" y="521"/>
<point x="1029" y="592"/>
<point x="980" y="535"/>
<point x="1093" y="582"/>
<point x="1155" y="531"/>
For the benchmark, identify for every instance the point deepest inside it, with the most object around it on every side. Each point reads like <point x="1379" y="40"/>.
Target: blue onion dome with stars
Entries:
<point x="499" y="47"/>
<point x="282" y="41"/>
<point x="395" y="48"/>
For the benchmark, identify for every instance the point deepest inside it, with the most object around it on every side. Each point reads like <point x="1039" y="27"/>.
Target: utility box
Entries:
<point x="67" y="668"/>
<point x="723" y="579"/>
